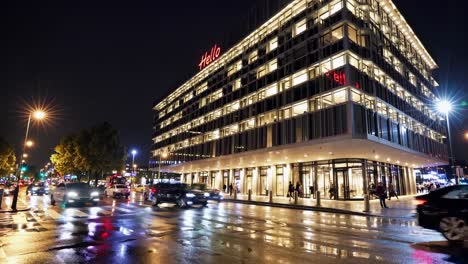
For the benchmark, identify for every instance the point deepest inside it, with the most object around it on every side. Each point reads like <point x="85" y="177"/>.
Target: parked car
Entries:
<point x="118" y="191"/>
<point x="179" y="193"/>
<point x="445" y="210"/>
<point x="38" y="188"/>
<point x="215" y="194"/>
<point x="74" y="194"/>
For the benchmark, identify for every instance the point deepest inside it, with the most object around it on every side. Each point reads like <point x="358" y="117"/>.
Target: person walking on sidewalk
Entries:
<point x="382" y="194"/>
<point x="392" y="192"/>
<point x="290" y="190"/>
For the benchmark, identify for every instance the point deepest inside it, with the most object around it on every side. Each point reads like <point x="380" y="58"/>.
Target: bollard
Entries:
<point x="235" y="194"/>
<point x="366" y="203"/>
<point x="1" y="197"/>
<point x="250" y="195"/>
<point x="296" y="195"/>
<point x="318" y="198"/>
<point x="271" y="196"/>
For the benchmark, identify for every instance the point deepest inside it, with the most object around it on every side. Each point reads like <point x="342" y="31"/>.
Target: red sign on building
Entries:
<point x="208" y="58"/>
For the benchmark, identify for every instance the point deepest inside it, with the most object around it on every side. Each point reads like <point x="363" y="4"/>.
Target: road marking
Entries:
<point x="2" y="253"/>
<point x="76" y="213"/>
<point x="20" y="219"/>
<point x="53" y="214"/>
<point x="123" y="210"/>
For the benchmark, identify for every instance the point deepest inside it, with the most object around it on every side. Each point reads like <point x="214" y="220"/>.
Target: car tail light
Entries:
<point x="153" y="190"/>
<point x="420" y="201"/>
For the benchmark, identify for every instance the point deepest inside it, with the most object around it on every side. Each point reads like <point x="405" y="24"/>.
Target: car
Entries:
<point x="118" y="191"/>
<point x="179" y="193"/>
<point x="215" y="194"/>
<point x="8" y="190"/>
<point x="38" y="188"/>
<point x="445" y="210"/>
<point x="74" y="194"/>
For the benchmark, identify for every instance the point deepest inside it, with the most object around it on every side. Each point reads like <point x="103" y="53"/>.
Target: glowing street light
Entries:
<point x="29" y="143"/>
<point x="25" y="155"/>
<point x="134" y="152"/>
<point x="466" y="135"/>
<point x="445" y="107"/>
<point x="37" y="114"/>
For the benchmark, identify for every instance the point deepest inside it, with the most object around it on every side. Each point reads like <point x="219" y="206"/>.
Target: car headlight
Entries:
<point x="190" y="195"/>
<point x="72" y="194"/>
<point x="94" y="194"/>
<point x="206" y="194"/>
<point x="47" y="188"/>
<point x="35" y="188"/>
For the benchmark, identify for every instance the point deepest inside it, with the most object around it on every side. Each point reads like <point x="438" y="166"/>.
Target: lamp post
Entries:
<point x="445" y="107"/>
<point x="134" y="152"/>
<point x="163" y="155"/>
<point x="38" y="115"/>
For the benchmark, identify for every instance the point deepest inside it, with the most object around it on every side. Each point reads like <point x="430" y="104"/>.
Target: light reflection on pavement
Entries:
<point x="132" y="231"/>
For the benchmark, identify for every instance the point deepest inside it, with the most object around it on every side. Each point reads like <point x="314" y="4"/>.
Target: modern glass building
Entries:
<point x="331" y="94"/>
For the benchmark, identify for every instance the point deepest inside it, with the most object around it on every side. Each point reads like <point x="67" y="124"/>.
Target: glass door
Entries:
<point x="342" y="186"/>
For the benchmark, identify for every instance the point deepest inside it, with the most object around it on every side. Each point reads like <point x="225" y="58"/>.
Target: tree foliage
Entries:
<point x="7" y="157"/>
<point x="93" y="151"/>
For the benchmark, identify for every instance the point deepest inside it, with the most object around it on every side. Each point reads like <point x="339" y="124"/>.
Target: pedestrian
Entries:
<point x="224" y="188"/>
<point x="301" y="191"/>
<point x="290" y="190"/>
<point x="230" y="189"/>
<point x="392" y="192"/>
<point x="331" y="191"/>
<point x="312" y="191"/>
<point x="382" y="194"/>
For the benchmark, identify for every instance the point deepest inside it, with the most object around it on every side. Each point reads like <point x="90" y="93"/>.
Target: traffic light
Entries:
<point x="24" y="167"/>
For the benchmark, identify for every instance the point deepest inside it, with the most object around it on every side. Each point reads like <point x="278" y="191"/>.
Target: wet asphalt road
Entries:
<point x="120" y="231"/>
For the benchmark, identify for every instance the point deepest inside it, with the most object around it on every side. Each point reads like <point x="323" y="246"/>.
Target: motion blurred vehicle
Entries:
<point x="8" y="190"/>
<point x="118" y="191"/>
<point x="445" y="210"/>
<point x="75" y="193"/>
<point x="38" y="188"/>
<point x="215" y="194"/>
<point x="179" y="193"/>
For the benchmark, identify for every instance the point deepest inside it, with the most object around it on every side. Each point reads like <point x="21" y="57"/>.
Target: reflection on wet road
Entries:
<point x="133" y="232"/>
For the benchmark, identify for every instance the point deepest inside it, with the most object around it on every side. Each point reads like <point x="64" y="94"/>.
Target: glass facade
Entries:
<point x="316" y="71"/>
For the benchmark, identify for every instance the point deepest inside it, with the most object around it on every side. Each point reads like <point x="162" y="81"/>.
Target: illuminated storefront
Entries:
<point x="332" y="95"/>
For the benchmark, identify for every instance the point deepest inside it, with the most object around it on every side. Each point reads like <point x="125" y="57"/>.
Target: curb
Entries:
<point x="303" y="207"/>
<point x="19" y="210"/>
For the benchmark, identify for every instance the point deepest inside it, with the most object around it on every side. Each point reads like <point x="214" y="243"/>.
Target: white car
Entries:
<point x="118" y="191"/>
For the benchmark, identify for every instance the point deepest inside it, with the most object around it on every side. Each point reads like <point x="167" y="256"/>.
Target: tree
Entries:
<point x="7" y="158"/>
<point x="65" y="155"/>
<point x="93" y="151"/>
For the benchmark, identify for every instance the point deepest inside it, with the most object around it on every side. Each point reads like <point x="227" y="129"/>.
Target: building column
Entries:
<point x="272" y="180"/>
<point x="412" y="181"/>
<point x="255" y="180"/>
<point x="242" y="181"/>
<point x="219" y="180"/>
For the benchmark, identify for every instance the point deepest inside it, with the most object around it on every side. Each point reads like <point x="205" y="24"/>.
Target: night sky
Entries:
<point x="96" y="61"/>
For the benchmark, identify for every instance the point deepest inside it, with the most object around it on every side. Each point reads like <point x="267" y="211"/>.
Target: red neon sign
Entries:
<point x="338" y="77"/>
<point x="208" y="58"/>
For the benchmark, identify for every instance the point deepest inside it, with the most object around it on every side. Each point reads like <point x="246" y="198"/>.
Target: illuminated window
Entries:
<point x="273" y="44"/>
<point x="353" y="61"/>
<point x="272" y="65"/>
<point x="356" y="96"/>
<point x="299" y="109"/>
<point x="352" y="34"/>
<point x="261" y="71"/>
<point x="339" y="96"/>
<point x="300" y="27"/>
<point x="299" y="77"/>
<point x="285" y="84"/>
<point x="253" y="56"/>
<point x="271" y="90"/>
<point x="338" y="61"/>
<point x="237" y="84"/>
<point x="201" y="88"/>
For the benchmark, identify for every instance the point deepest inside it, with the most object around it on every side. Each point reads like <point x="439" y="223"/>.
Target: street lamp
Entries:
<point x="466" y="135"/>
<point x="134" y="152"/>
<point x="39" y="115"/>
<point x="164" y="156"/>
<point x="445" y="107"/>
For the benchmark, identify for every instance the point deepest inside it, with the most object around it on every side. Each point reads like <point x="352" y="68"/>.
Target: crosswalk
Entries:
<point x="34" y="219"/>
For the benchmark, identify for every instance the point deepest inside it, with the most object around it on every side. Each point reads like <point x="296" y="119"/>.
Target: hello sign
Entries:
<point x="208" y="58"/>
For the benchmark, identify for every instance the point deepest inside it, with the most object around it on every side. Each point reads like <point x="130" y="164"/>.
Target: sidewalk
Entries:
<point x="405" y="207"/>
